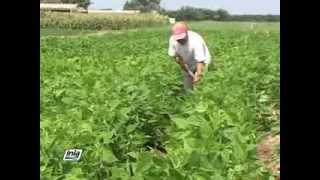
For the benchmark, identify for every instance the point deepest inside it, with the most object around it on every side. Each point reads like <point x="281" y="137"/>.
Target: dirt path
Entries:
<point x="267" y="153"/>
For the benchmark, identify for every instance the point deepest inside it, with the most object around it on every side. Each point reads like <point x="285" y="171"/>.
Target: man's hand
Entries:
<point x="198" y="74"/>
<point x="190" y="73"/>
<point x="196" y="78"/>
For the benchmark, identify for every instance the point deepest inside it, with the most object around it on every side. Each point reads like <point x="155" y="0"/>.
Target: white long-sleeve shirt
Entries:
<point x="195" y="50"/>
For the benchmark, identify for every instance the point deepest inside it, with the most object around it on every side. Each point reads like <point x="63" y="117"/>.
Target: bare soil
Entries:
<point x="266" y="152"/>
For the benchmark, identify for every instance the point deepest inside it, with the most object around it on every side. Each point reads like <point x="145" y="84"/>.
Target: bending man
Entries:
<point x="191" y="53"/>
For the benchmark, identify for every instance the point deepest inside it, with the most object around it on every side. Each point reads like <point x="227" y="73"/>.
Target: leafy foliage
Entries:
<point x="188" y="13"/>
<point x="142" y="5"/>
<point x="118" y="98"/>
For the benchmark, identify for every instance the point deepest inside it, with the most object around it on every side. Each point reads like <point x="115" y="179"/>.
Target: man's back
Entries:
<point x="194" y="49"/>
<point x="197" y="40"/>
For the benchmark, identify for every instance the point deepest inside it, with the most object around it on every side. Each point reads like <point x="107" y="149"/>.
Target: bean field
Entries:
<point x="118" y="97"/>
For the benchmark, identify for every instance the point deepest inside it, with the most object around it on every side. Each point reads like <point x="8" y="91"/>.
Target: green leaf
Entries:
<point x="67" y="100"/>
<point x="59" y="92"/>
<point x="144" y="162"/>
<point x="181" y="123"/>
<point x="264" y="98"/>
<point x="238" y="168"/>
<point x="133" y="154"/>
<point x="75" y="174"/>
<point x="107" y="136"/>
<point x="160" y="162"/>
<point x="131" y="127"/>
<point x="271" y="178"/>
<point x="201" y="177"/>
<point x="194" y="120"/>
<point x="85" y="127"/>
<point x="108" y="156"/>
<point x="176" y="175"/>
<point x="119" y="173"/>
<point x="202" y="107"/>
<point x="184" y="123"/>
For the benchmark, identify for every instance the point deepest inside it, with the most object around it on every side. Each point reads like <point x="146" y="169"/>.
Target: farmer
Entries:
<point x="190" y="52"/>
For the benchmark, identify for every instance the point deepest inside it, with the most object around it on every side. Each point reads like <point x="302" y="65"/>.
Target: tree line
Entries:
<point x="185" y="13"/>
<point x="188" y="13"/>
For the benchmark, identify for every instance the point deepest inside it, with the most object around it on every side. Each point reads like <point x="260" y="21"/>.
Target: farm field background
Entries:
<point x="117" y="95"/>
<point x="80" y="21"/>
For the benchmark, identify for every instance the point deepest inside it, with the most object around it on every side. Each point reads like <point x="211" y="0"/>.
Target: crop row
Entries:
<point x="117" y="96"/>
<point x="99" y="21"/>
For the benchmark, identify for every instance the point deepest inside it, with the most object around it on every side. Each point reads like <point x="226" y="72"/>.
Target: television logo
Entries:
<point x="72" y="155"/>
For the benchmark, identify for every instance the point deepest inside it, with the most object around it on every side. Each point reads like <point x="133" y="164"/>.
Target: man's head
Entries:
<point x="180" y="32"/>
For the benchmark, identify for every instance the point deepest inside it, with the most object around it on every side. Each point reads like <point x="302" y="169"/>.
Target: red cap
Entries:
<point x="179" y="31"/>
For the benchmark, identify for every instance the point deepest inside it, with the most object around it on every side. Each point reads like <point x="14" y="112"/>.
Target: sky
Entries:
<point x="232" y="6"/>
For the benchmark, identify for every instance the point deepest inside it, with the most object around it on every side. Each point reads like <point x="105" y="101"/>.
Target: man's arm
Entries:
<point x="199" y="71"/>
<point x="183" y="65"/>
<point x="200" y="56"/>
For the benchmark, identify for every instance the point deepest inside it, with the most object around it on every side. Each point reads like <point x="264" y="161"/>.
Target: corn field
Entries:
<point x="99" y="21"/>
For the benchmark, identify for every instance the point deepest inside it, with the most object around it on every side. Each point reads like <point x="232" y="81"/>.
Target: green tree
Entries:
<point x="187" y="13"/>
<point x="223" y="14"/>
<point x="143" y="5"/>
